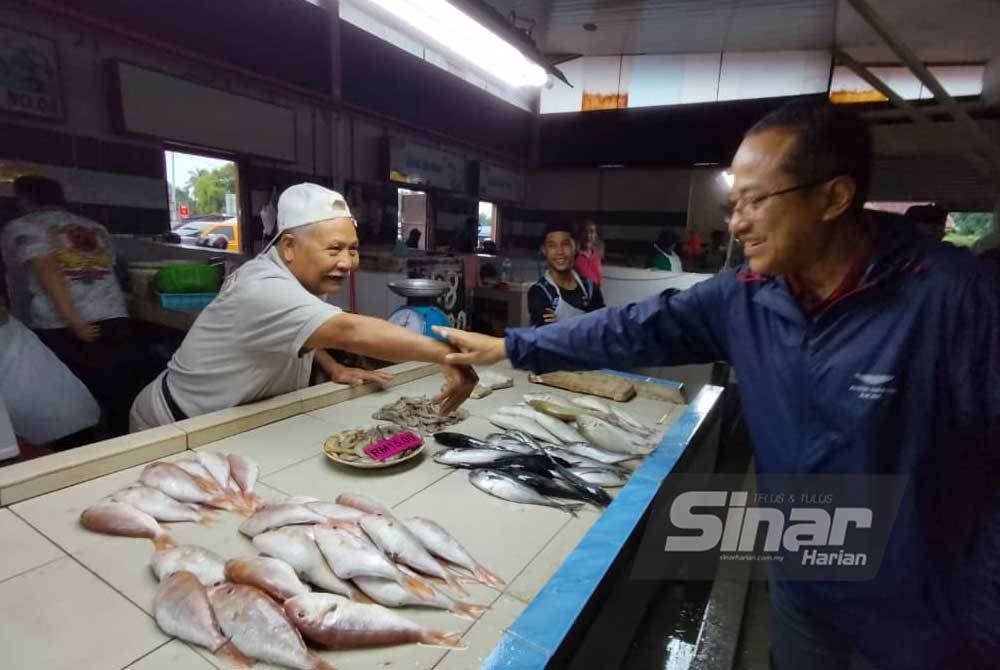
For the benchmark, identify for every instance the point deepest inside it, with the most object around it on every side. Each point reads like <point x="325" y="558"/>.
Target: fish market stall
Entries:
<point x="77" y="597"/>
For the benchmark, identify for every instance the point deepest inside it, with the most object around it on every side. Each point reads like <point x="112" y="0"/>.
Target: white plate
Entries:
<point x="370" y="464"/>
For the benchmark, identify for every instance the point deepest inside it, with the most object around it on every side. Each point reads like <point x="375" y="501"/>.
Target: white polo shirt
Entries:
<point x="245" y="346"/>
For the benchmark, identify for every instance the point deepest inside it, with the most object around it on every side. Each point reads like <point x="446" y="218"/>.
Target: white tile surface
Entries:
<point x="123" y="562"/>
<point x="56" y="515"/>
<point x="501" y="535"/>
<point x="545" y="564"/>
<point x="480" y="639"/>
<point x="323" y="478"/>
<point x="277" y="445"/>
<point x="23" y="548"/>
<point x="60" y="616"/>
<point x="174" y="655"/>
<point x="523" y="544"/>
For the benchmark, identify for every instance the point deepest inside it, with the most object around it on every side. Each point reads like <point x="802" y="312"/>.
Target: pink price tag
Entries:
<point x="391" y="446"/>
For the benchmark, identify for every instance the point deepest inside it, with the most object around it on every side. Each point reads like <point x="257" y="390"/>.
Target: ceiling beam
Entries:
<point x="857" y="68"/>
<point x="981" y="143"/>
<point x="920" y="116"/>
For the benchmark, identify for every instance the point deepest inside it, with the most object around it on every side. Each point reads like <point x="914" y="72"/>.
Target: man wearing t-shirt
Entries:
<point x="61" y="280"/>
<point x="561" y="294"/>
<point x="260" y="337"/>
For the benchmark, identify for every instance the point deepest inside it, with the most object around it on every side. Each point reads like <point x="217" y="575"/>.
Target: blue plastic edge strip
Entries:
<point x="644" y="378"/>
<point x="533" y="638"/>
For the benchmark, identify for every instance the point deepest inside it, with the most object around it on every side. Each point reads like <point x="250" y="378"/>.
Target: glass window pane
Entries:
<point x="774" y="73"/>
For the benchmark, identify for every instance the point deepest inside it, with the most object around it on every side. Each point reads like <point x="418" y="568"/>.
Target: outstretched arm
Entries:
<point x="672" y="328"/>
<point x="380" y="339"/>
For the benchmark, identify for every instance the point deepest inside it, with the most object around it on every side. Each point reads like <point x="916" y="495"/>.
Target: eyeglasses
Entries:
<point x="750" y="206"/>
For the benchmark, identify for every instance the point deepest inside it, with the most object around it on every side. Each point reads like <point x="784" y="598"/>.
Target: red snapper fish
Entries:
<point x="335" y="622"/>
<point x="258" y="627"/>
<point x="182" y="609"/>
<point x="115" y="518"/>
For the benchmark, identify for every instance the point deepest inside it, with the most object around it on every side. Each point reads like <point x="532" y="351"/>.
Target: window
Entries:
<point x="969" y="227"/>
<point x="412" y="222"/>
<point x="648" y="80"/>
<point x="487" y="223"/>
<point x="203" y="191"/>
<point x="963" y="229"/>
<point x="959" y="80"/>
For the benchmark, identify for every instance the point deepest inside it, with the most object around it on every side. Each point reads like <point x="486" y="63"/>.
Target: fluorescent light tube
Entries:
<point x="457" y="31"/>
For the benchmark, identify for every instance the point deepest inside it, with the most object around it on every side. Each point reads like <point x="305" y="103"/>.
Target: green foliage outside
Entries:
<point x="969" y="227"/>
<point x="206" y="190"/>
<point x="182" y="197"/>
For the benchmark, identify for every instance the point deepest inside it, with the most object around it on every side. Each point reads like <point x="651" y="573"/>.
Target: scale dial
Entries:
<point x="408" y="318"/>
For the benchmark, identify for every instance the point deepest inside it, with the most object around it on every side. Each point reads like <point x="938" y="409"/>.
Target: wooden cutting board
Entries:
<point x="591" y="383"/>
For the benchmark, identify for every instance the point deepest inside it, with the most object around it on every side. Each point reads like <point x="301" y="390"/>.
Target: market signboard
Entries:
<point x="497" y="184"/>
<point x="417" y="164"/>
<point x="29" y="75"/>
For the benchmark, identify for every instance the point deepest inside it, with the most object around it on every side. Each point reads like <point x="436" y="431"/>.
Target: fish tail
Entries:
<point x="417" y="587"/>
<point x="208" y="485"/>
<point x="487" y="577"/>
<point x="466" y="579"/>
<point x="468" y="610"/>
<point x="163" y="541"/>
<point x="207" y="521"/>
<point x="229" y="651"/>
<point x="436" y="638"/>
<point x="240" y="504"/>
<point x="357" y="595"/>
<point x="568" y="507"/>
<point x="251" y="500"/>
<point x="454" y="582"/>
<point x="320" y="664"/>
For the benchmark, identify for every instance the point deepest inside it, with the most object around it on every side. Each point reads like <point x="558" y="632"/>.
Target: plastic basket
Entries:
<point x="188" y="278"/>
<point x="186" y="302"/>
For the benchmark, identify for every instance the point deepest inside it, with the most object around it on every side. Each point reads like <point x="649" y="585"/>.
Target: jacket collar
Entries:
<point x="896" y="251"/>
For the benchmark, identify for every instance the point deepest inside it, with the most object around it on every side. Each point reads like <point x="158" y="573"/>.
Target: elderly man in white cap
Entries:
<point x="260" y="336"/>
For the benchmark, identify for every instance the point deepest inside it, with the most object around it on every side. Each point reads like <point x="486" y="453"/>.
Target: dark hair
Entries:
<point x="667" y="239"/>
<point x="558" y="227"/>
<point x="932" y="214"/>
<point x="39" y="190"/>
<point x="830" y="141"/>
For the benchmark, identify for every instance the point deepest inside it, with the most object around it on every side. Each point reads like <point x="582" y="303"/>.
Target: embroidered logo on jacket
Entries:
<point x="873" y="387"/>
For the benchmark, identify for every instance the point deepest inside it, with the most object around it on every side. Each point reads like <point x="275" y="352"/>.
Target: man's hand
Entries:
<point x="549" y="315"/>
<point x="357" y="376"/>
<point x="86" y="332"/>
<point x="459" y="381"/>
<point x="476" y="349"/>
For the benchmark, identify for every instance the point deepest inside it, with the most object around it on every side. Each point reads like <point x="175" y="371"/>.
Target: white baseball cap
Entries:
<point x="303" y="204"/>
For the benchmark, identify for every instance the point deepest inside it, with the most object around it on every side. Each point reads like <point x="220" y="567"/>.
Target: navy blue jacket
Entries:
<point x="901" y="376"/>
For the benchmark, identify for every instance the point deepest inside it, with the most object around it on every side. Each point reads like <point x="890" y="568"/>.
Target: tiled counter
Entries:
<point x="75" y="599"/>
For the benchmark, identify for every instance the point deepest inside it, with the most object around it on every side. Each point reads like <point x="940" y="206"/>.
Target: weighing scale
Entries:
<point x="421" y="310"/>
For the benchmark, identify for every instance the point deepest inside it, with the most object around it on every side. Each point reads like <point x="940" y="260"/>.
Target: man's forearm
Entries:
<point x="326" y="363"/>
<point x="377" y="338"/>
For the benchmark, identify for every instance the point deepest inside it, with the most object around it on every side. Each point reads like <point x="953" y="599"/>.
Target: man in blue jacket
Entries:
<point x="859" y="349"/>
